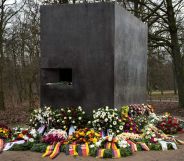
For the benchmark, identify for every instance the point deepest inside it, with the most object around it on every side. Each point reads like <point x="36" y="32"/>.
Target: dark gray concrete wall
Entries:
<point x="130" y="58"/>
<point x="78" y="37"/>
<point x="105" y="46"/>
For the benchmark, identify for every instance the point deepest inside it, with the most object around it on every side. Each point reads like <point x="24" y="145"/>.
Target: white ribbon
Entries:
<point x="164" y="145"/>
<point x="9" y="145"/>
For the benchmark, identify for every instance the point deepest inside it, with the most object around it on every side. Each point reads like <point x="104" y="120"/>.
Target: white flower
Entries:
<point x="75" y="127"/>
<point x="121" y="127"/>
<point x="25" y="137"/>
<point x="110" y="130"/>
<point x="64" y="127"/>
<point x="69" y="111"/>
<point x="153" y="135"/>
<point x="93" y="112"/>
<point x="62" y="109"/>
<point x="79" y="118"/>
<point x="57" y="120"/>
<point x="63" y="121"/>
<point x="70" y="118"/>
<point x="33" y="132"/>
<point x="98" y="144"/>
<point x="123" y="143"/>
<point x="83" y="112"/>
<point x="115" y="109"/>
<point x="114" y="122"/>
<point x="73" y="121"/>
<point x="110" y="116"/>
<point x="92" y="146"/>
<point x="89" y="122"/>
<point x="106" y="119"/>
<point x="80" y="108"/>
<point x="110" y="125"/>
<point x="99" y="128"/>
<point x="147" y="132"/>
<point x="117" y="131"/>
<point x="31" y="140"/>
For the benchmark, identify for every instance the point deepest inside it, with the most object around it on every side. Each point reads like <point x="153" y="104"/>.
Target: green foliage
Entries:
<point x="107" y="153"/>
<point x="93" y="152"/>
<point x="139" y="148"/>
<point x="40" y="147"/>
<point x="63" y="148"/>
<point x="156" y="147"/>
<point x="125" y="152"/>
<point x="22" y="147"/>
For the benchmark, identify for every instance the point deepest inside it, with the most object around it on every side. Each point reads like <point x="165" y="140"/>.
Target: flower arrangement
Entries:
<point x="83" y="136"/>
<point x="169" y="124"/>
<point x="54" y="136"/>
<point x="140" y="109"/>
<point x="153" y="119"/>
<point x="152" y="133"/>
<point x="107" y="119"/>
<point x="141" y="121"/>
<point x="131" y="136"/>
<point x="5" y="132"/>
<point x="26" y="134"/>
<point x="42" y="116"/>
<point x="129" y="125"/>
<point x="71" y="117"/>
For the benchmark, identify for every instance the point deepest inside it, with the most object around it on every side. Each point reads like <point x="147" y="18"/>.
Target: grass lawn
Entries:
<point x="167" y="95"/>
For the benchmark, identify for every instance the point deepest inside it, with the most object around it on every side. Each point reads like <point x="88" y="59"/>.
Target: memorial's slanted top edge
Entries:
<point x="79" y="4"/>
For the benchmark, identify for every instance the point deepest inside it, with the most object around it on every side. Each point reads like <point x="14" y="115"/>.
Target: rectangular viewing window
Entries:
<point x="65" y="75"/>
<point x="58" y="77"/>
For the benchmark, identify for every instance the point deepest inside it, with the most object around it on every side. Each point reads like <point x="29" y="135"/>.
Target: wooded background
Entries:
<point x="20" y="47"/>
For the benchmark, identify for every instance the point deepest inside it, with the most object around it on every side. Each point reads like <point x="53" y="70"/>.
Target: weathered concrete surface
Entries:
<point x="92" y="39"/>
<point x="130" y="58"/>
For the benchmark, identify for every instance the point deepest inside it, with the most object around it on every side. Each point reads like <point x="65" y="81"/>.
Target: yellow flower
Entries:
<point x="82" y="133"/>
<point x="94" y="140"/>
<point x="97" y="134"/>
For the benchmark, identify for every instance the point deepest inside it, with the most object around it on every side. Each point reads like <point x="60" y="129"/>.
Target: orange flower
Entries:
<point x="20" y="136"/>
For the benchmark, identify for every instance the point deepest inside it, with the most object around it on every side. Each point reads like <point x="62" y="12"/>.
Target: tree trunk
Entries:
<point x="174" y="81"/>
<point x="176" y="53"/>
<point x="136" y="8"/>
<point x="2" y="104"/>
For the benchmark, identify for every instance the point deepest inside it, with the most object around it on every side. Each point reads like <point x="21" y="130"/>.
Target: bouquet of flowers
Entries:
<point x="131" y="136"/>
<point x="153" y="118"/>
<point x="140" y="109"/>
<point x="83" y="136"/>
<point x="169" y="124"/>
<point x="54" y="136"/>
<point x="141" y="121"/>
<point x="107" y="119"/>
<point x="42" y="116"/>
<point x="152" y="133"/>
<point x="129" y="125"/>
<point x="26" y="134"/>
<point x="71" y="116"/>
<point x="5" y="132"/>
